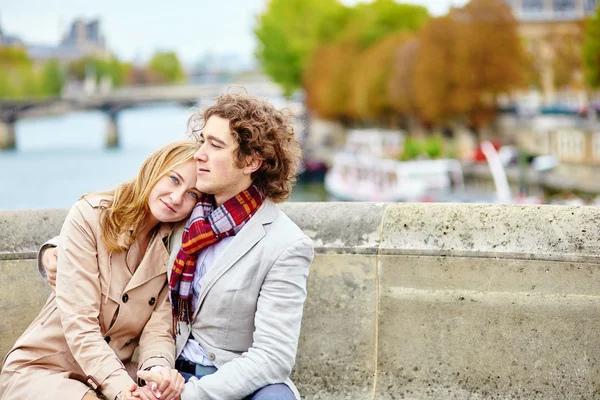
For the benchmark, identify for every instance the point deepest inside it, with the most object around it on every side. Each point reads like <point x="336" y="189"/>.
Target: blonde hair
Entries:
<point x="128" y="207"/>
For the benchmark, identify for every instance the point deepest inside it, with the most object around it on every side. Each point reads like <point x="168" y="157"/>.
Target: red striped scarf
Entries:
<point x="206" y="226"/>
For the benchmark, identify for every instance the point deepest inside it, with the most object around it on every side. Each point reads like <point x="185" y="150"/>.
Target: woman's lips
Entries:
<point x="168" y="206"/>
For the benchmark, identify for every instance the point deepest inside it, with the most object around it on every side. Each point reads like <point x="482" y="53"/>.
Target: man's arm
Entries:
<point x="277" y="329"/>
<point x="47" y="261"/>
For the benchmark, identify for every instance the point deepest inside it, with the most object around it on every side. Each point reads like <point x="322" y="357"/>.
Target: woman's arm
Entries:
<point x="78" y="298"/>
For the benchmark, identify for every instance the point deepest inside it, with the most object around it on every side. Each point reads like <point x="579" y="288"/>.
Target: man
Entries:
<point x="238" y="283"/>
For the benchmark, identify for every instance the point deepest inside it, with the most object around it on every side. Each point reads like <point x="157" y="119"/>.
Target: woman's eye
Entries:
<point x="174" y="179"/>
<point x="194" y="195"/>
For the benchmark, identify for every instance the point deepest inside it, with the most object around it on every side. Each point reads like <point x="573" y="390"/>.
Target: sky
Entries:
<point x="135" y="29"/>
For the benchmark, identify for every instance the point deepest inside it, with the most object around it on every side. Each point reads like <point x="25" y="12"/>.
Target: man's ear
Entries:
<point x="253" y="163"/>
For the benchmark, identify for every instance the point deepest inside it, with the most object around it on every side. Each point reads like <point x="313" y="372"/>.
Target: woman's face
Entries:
<point x="174" y="195"/>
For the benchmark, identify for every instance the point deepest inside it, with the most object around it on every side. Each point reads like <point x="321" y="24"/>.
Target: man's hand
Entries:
<point x="165" y="384"/>
<point x="49" y="262"/>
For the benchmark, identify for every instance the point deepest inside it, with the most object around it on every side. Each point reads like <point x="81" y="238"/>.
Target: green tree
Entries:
<point x="167" y="65"/>
<point x="99" y="68"/>
<point x="289" y="31"/>
<point x="18" y="77"/>
<point x="53" y="78"/>
<point x="591" y="50"/>
<point x="371" y="22"/>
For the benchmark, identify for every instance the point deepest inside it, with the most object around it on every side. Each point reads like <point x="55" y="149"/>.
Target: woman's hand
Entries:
<point x="127" y="393"/>
<point x="165" y="384"/>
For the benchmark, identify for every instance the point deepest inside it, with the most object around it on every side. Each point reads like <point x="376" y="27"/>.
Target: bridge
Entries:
<point x="116" y="100"/>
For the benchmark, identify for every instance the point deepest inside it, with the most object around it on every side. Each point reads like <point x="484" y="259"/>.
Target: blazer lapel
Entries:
<point x="241" y="244"/>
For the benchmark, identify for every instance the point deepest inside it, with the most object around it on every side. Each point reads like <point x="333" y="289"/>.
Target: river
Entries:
<point x="59" y="158"/>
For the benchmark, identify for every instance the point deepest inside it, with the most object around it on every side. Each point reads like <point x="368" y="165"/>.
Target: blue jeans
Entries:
<point x="277" y="391"/>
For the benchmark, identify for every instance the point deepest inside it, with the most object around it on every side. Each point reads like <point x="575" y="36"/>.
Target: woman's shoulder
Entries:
<point x="95" y="200"/>
<point x="88" y="208"/>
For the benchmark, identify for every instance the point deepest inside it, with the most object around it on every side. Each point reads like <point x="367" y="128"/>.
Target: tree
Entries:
<point x="289" y="31"/>
<point x="98" y="68"/>
<point x="591" y="50"/>
<point x="489" y="58"/>
<point x="434" y="83"/>
<point x="371" y="22"/>
<point x="167" y="65"/>
<point x="370" y="94"/>
<point x="52" y="78"/>
<point x="568" y="59"/>
<point x="466" y="60"/>
<point x="403" y="95"/>
<point x="348" y="77"/>
<point x="17" y="76"/>
<point x="328" y="74"/>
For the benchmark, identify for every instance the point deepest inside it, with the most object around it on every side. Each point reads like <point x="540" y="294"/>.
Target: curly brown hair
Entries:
<point x="261" y="131"/>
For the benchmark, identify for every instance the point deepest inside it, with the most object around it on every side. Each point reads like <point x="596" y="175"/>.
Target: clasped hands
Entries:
<point x="165" y="384"/>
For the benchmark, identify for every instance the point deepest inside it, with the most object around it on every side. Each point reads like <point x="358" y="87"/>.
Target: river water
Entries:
<point x="59" y="158"/>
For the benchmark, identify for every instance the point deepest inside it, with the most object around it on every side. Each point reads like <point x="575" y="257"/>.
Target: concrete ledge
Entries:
<point x="414" y="301"/>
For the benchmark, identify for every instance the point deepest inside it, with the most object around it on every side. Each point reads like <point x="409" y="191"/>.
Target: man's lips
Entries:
<point x="168" y="206"/>
<point x="202" y="170"/>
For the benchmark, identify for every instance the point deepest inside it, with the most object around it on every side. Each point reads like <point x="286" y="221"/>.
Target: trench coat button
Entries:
<point x="211" y="356"/>
<point x="125" y="298"/>
<point x="152" y="301"/>
<point x="107" y="339"/>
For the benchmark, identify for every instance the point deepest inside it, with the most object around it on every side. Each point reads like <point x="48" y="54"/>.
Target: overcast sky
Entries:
<point x="134" y="29"/>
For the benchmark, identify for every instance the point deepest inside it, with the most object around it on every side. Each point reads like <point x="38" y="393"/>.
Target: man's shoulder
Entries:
<point x="283" y="230"/>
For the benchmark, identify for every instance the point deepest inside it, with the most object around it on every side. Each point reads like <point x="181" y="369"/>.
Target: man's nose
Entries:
<point x="200" y="155"/>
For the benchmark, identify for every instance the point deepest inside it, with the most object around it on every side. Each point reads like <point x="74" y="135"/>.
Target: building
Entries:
<point x="543" y="23"/>
<point x="81" y="40"/>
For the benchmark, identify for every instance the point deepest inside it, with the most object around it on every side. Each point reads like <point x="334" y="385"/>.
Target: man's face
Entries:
<point x="216" y="162"/>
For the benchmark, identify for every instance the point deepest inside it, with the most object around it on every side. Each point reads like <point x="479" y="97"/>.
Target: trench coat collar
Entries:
<point x="154" y="262"/>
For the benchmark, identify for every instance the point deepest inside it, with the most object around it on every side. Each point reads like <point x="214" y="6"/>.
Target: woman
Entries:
<point x="111" y="292"/>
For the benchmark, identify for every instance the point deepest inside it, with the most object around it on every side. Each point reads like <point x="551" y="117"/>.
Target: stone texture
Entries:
<point x="413" y="301"/>
<point x="22" y="295"/>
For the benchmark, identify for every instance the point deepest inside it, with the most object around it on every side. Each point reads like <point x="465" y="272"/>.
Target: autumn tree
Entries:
<point x="434" y="81"/>
<point x="591" y="50"/>
<point x="370" y="85"/>
<point x="327" y="79"/>
<point x="466" y="60"/>
<point x="348" y="77"/>
<point x="489" y="58"/>
<point x="567" y="62"/>
<point x="401" y="85"/>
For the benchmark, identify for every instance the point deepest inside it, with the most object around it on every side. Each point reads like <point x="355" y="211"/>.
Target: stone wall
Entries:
<point x="414" y="301"/>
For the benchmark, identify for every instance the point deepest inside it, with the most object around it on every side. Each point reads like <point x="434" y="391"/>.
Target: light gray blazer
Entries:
<point x="250" y="307"/>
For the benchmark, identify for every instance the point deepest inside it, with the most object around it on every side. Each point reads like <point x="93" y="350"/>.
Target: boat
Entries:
<point x="367" y="171"/>
<point x="363" y="172"/>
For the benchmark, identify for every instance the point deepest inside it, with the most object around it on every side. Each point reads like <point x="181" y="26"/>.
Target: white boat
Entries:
<point x="368" y="170"/>
<point x="362" y="173"/>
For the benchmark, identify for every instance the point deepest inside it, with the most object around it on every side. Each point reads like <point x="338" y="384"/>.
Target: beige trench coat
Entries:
<point x="88" y="330"/>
